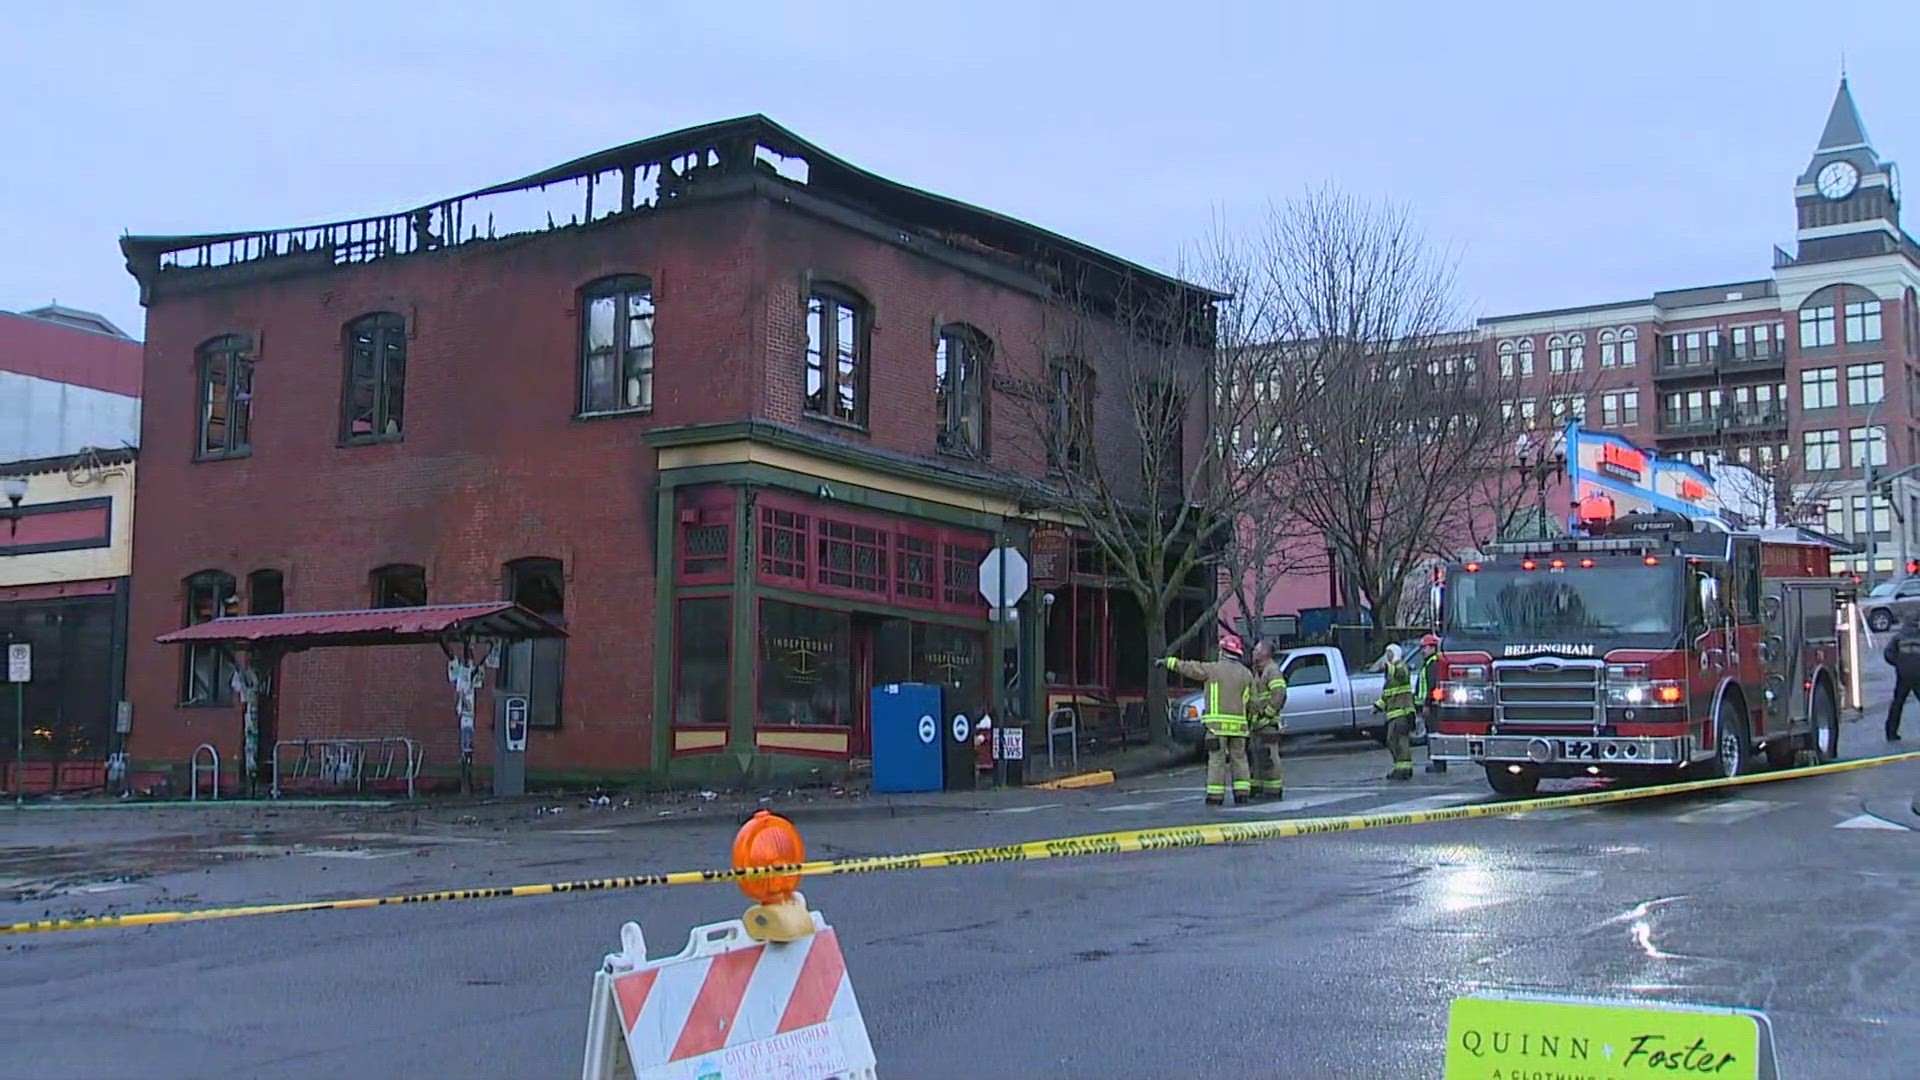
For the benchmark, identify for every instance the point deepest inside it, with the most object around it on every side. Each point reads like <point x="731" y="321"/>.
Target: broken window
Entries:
<point x="226" y="397"/>
<point x="1069" y="403"/>
<point x="837" y="330"/>
<point x="960" y="362"/>
<point x="374" y="402"/>
<point x="616" y="346"/>
<point x="207" y="670"/>
<point x="266" y="593"/>
<point x="400" y="585"/>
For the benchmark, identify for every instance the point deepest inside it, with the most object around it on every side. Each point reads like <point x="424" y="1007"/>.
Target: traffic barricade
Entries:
<point x="765" y="997"/>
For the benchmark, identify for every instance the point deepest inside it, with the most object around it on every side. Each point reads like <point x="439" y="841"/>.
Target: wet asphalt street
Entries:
<point x="1330" y="956"/>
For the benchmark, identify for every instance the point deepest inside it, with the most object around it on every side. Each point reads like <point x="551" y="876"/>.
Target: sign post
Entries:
<point x="19" y="673"/>
<point x="1003" y="581"/>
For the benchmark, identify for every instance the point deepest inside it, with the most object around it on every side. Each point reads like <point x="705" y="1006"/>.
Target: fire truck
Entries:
<point x="1658" y="647"/>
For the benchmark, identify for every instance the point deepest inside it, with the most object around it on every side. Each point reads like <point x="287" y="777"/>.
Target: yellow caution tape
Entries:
<point x="1112" y="843"/>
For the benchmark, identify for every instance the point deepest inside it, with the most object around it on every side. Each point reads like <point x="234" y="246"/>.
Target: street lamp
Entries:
<point x="15" y="489"/>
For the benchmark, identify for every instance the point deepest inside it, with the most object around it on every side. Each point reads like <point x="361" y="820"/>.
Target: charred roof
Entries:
<point x="727" y="158"/>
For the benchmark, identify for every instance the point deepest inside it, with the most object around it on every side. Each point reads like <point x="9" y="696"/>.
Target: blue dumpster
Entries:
<point x="906" y="738"/>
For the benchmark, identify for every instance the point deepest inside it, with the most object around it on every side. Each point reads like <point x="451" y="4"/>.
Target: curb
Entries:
<point x="1083" y="780"/>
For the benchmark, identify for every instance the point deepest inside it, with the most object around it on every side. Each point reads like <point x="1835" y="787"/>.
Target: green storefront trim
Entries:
<point x="742" y="758"/>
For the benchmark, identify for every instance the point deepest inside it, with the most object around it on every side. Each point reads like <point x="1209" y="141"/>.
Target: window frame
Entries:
<point x="237" y="350"/>
<point x="1629" y="347"/>
<point x="226" y="590"/>
<point x="1828" y="444"/>
<point x="1812" y="379"/>
<point x="1868" y="316"/>
<point x="814" y="354"/>
<point x="386" y="582"/>
<point x="1866" y="379"/>
<point x="1067" y="400"/>
<point x="1812" y="324"/>
<point x="973" y="395"/>
<point x="631" y="361"/>
<point x="388" y="331"/>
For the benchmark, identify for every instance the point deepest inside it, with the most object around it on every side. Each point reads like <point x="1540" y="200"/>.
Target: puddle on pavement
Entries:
<point x="42" y="871"/>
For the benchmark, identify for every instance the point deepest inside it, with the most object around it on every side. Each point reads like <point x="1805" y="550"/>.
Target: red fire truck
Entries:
<point x="1660" y="648"/>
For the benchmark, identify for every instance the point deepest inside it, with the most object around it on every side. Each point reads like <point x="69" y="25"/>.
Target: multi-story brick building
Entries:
<point x="740" y="416"/>
<point x="1807" y="375"/>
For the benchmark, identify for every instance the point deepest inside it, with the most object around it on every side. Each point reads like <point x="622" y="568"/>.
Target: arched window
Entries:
<point x="206" y="671"/>
<point x="1576" y="352"/>
<point x="961" y="359"/>
<point x="838" y="328"/>
<point x="1629" y="346"/>
<point x="1839" y="311"/>
<point x="399" y="585"/>
<point x="373" y="402"/>
<point x="616" y="345"/>
<point x="1526" y="358"/>
<point x="225" y="373"/>
<point x="1556" y="353"/>
<point x="1506" y="360"/>
<point x="1609" y="349"/>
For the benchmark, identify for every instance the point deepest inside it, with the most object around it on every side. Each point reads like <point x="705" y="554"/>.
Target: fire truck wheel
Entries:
<point x="1512" y="785"/>
<point x="1880" y="620"/>
<point x="1732" y="746"/>
<point x="1826" y="725"/>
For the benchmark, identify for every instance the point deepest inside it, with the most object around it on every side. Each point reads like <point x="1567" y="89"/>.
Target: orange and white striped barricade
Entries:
<point x="728" y="1007"/>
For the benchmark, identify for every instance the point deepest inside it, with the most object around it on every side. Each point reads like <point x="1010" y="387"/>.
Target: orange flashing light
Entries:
<point x="1586" y="564"/>
<point x="1557" y="564"/>
<point x="768" y="840"/>
<point x="1669" y="694"/>
<point x="1651" y="560"/>
<point x="1527" y="564"/>
<point x="1473" y="568"/>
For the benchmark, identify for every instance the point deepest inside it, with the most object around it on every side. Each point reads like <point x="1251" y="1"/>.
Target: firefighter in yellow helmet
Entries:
<point x="1228" y="681"/>
<point x="1396" y="700"/>
<point x="1264" y="703"/>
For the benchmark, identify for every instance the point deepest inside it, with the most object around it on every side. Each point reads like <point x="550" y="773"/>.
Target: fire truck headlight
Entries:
<point x="1467" y="694"/>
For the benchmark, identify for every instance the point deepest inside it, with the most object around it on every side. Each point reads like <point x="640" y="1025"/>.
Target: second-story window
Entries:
<point x="1863" y="321"/>
<point x="1556" y="354"/>
<point x="1820" y="388"/>
<point x="1629" y="347"/>
<point x="226" y="397"/>
<point x="1866" y="383"/>
<point x="837" y="331"/>
<point x="1609" y="349"/>
<point x="374" y="404"/>
<point x="1576" y="352"/>
<point x="960" y="389"/>
<point x="616" y="346"/>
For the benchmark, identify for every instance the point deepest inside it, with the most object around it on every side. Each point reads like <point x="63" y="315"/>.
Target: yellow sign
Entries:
<point x="1521" y="1038"/>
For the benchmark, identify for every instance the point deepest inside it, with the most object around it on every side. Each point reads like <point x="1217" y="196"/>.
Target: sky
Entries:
<point x="1564" y="153"/>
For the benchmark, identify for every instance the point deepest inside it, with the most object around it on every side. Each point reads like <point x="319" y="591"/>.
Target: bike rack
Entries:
<point x="1071" y="729"/>
<point x="344" y="762"/>
<point x="213" y="756"/>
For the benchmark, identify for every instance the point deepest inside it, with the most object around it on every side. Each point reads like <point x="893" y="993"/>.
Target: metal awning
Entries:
<point x="378" y="626"/>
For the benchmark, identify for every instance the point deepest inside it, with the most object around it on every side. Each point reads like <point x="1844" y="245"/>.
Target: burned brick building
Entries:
<point x="739" y="416"/>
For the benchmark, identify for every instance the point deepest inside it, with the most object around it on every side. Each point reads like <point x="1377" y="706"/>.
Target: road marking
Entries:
<point x="1124" y="807"/>
<point x="584" y="832"/>
<point x="1431" y="802"/>
<point x="104" y="887"/>
<point x="1299" y="802"/>
<point x="405" y="838"/>
<point x="1868" y="821"/>
<point x="350" y="853"/>
<point x="1560" y="814"/>
<point x="1725" y="813"/>
<point x="1024" y="809"/>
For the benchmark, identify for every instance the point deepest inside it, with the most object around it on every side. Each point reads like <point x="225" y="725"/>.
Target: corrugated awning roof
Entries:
<point x="378" y="626"/>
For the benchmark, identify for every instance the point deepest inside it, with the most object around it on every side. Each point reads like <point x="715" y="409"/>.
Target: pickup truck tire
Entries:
<point x="1880" y="620"/>
<point x="1512" y="785"/>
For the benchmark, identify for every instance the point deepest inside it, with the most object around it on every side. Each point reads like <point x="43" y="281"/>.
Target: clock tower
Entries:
<point x="1848" y="199"/>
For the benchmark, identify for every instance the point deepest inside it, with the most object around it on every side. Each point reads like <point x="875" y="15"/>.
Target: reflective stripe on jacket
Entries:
<point x="1397" y="699"/>
<point x="1228" y="685"/>
<point x="1267" y="697"/>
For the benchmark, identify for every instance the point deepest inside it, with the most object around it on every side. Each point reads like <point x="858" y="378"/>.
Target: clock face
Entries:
<point x="1837" y="180"/>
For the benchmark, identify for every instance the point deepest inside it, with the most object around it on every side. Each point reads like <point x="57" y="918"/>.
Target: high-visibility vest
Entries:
<point x="1267" y="697"/>
<point x="1229" y="684"/>
<point x="1397" y="700"/>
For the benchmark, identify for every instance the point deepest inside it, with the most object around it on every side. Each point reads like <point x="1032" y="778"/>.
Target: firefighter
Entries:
<point x="1903" y="654"/>
<point x="1228" y="681"/>
<point x="1264" y="703"/>
<point x="1396" y="700"/>
<point x="1425" y="680"/>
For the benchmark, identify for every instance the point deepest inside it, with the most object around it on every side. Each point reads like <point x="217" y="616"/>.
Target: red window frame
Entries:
<point x="949" y="557"/>
<point x="703" y="508"/>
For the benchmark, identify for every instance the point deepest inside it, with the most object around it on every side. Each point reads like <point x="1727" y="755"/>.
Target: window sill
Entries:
<point x="227" y="456"/>
<point x="204" y="705"/>
<point x="609" y="414"/>
<point x="833" y="422"/>
<point x="370" y="440"/>
<point x="978" y="457"/>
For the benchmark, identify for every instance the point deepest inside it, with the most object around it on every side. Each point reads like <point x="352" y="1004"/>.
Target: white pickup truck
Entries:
<point x="1324" y="696"/>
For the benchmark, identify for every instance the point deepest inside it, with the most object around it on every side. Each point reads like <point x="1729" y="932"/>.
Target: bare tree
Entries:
<point x="1154" y="429"/>
<point x="1407" y="452"/>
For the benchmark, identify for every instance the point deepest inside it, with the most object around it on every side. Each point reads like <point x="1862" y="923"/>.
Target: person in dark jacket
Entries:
<point x="1903" y="652"/>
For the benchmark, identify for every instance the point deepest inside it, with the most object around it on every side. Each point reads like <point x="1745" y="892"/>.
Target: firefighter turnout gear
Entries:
<point x="1265" y="701"/>
<point x="1396" y="700"/>
<point x="1426" y="681"/>
<point x="1225" y="718"/>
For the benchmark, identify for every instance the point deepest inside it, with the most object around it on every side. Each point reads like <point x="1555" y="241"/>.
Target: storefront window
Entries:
<point x="805" y="673"/>
<point x="700" y="661"/>
<point x="955" y="660"/>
